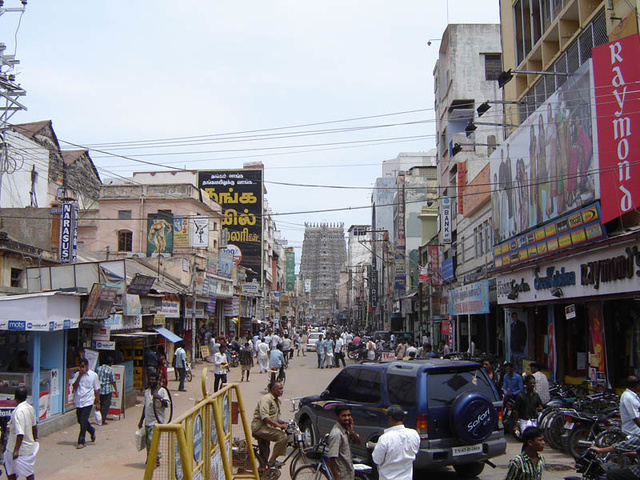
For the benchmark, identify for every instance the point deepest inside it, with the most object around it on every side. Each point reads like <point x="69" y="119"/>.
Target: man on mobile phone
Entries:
<point x="339" y="445"/>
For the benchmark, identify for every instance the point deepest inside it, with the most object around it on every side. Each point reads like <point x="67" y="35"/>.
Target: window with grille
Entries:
<point x="492" y="66"/>
<point x="125" y="241"/>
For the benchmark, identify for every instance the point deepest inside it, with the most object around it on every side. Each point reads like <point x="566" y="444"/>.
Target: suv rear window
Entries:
<point x="445" y="385"/>
<point x="402" y="390"/>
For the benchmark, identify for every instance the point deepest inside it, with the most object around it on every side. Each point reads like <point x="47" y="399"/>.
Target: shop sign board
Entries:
<point x="171" y="306"/>
<point x="569" y="231"/>
<point x="38" y="326"/>
<point x="469" y="299"/>
<point x="251" y="288"/>
<point x="68" y="233"/>
<point x="103" y="345"/>
<point x="446" y="220"/>
<point x="117" y="404"/>
<point x="570" y="311"/>
<point x="447" y="270"/>
<point x="605" y="271"/>
<point x="101" y="333"/>
<point x="100" y="302"/>
<point x="616" y="73"/>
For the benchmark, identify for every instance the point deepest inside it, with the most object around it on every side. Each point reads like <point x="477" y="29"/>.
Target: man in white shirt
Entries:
<point x="19" y="457"/>
<point x="220" y="368"/>
<point x="338" y="352"/>
<point x="542" y="383"/>
<point x="396" y="448"/>
<point x="630" y="407"/>
<point x="86" y="392"/>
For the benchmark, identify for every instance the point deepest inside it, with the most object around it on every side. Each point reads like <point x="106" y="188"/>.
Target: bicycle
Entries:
<point x="189" y="375"/>
<point x="320" y="470"/>
<point x="159" y="410"/>
<point x="297" y="455"/>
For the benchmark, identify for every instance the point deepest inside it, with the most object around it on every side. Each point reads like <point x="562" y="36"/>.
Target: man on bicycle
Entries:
<point x="154" y="411"/>
<point x="277" y="362"/>
<point x="267" y="426"/>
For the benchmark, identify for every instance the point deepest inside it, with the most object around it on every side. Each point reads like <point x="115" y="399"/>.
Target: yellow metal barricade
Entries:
<point x="211" y="441"/>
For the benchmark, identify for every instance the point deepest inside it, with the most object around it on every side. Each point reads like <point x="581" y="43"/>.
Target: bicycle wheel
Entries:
<point x="163" y="414"/>
<point x="299" y="459"/>
<point x="311" y="472"/>
<point x="189" y="376"/>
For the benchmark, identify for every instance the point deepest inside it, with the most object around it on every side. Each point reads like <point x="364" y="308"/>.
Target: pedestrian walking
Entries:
<point x="328" y="351"/>
<point x="529" y="464"/>
<point x="86" y="392"/>
<point x="263" y="356"/>
<point x="220" y="364"/>
<point x="246" y="360"/>
<point x="542" y="383"/>
<point x="154" y="411"/>
<point x="22" y="446"/>
<point x="320" y="351"/>
<point x="338" y="351"/>
<point x="341" y="437"/>
<point x="107" y="387"/>
<point x="299" y="345"/>
<point x="286" y="347"/>
<point x="181" y="365"/>
<point x="396" y="448"/>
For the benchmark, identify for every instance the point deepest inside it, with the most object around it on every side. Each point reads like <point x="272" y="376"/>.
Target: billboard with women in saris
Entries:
<point x="549" y="166"/>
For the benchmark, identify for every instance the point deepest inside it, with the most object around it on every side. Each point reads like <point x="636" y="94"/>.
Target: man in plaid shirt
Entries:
<point x="107" y="386"/>
<point x="631" y="444"/>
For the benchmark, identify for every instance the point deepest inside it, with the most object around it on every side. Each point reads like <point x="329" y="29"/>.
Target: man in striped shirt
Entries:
<point x="529" y="465"/>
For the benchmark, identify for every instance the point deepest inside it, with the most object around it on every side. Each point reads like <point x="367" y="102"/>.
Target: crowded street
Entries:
<point x="114" y="455"/>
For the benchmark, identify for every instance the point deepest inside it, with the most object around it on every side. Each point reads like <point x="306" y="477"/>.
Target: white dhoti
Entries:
<point x="23" y="466"/>
<point x="263" y="362"/>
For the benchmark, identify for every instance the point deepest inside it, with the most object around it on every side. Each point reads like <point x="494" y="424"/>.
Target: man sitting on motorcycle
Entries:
<point x="631" y="444"/>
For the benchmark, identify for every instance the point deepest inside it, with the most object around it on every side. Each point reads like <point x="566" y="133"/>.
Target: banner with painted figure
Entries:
<point x="549" y="165"/>
<point x="239" y="192"/>
<point x="517" y="334"/>
<point x="200" y="232"/>
<point x="159" y="234"/>
<point x="180" y="231"/>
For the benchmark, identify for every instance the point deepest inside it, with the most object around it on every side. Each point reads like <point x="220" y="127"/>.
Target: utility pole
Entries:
<point x="10" y="91"/>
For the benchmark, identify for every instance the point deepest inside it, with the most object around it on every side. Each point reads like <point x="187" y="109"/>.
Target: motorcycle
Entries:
<point x="593" y="466"/>
<point x="585" y="426"/>
<point x="234" y="361"/>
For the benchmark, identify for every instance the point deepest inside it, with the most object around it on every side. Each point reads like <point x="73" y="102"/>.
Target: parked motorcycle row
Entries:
<point x="572" y="421"/>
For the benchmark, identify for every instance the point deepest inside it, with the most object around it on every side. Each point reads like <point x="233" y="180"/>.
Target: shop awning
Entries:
<point x="168" y="334"/>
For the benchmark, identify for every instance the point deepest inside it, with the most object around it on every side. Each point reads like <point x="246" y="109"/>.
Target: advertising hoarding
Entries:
<point x="290" y="279"/>
<point x="159" y="234"/>
<point x="239" y="192"/>
<point x="548" y="166"/>
<point x="469" y="299"/>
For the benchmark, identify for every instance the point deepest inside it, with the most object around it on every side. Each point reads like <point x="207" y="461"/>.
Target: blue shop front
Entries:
<point x="34" y="334"/>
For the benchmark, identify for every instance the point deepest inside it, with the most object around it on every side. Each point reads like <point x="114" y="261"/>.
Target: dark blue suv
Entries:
<point x="452" y="404"/>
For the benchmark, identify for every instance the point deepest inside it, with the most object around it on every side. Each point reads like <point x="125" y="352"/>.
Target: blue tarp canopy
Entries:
<point x="168" y="334"/>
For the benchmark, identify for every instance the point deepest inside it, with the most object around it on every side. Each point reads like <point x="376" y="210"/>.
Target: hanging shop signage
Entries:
<point x="469" y="299"/>
<point x="100" y="302"/>
<point x="616" y="73"/>
<point x="606" y="271"/>
<point x="446" y="220"/>
<point x="579" y="228"/>
<point x="68" y="232"/>
<point x="141" y="284"/>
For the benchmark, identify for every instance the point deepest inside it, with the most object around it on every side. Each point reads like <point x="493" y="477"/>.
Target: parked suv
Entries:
<point x="452" y="404"/>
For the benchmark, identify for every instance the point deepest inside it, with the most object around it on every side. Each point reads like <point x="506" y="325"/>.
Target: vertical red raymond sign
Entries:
<point x="616" y="73"/>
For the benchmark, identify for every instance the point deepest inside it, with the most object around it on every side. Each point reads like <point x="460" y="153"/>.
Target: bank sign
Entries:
<point x="605" y="271"/>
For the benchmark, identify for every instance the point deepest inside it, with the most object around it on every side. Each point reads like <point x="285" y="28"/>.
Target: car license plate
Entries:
<point x="466" y="450"/>
<point x="569" y="425"/>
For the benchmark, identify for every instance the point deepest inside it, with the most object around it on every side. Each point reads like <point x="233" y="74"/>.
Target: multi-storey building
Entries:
<point x="566" y="191"/>
<point x="465" y="77"/>
<point x="323" y="257"/>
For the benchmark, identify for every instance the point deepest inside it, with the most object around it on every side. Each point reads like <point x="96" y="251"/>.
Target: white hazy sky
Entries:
<point x="108" y="72"/>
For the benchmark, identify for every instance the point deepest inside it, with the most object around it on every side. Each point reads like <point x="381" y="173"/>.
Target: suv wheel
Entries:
<point x="469" y="470"/>
<point x="308" y="436"/>
<point x="473" y="417"/>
